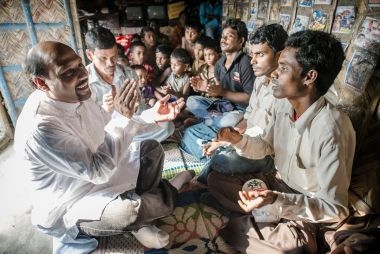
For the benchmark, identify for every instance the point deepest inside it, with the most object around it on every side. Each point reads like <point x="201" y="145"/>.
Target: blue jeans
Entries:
<point x="193" y="138"/>
<point x="198" y="105"/>
<point x="228" y="162"/>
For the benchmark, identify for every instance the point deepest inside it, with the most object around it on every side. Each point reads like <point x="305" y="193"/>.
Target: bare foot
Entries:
<point x="182" y="178"/>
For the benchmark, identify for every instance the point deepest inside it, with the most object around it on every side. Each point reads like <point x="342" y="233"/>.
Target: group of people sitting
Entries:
<point x="90" y="136"/>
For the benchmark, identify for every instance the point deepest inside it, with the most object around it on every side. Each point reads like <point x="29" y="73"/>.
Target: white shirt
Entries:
<point x="313" y="155"/>
<point x="261" y="103"/>
<point x="78" y="160"/>
<point x="99" y="87"/>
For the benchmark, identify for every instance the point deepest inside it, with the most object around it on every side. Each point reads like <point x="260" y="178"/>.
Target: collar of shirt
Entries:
<point x="63" y="107"/>
<point x="237" y="57"/>
<point x="94" y="77"/>
<point x="308" y="116"/>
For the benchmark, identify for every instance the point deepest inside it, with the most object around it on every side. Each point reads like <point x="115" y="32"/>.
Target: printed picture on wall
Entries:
<point x="274" y="13"/>
<point x="368" y="36"/>
<point x="300" y="23"/>
<point x="318" y="21"/>
<point x="360" y="69"/>
<point x="344" y="19"/>
<point x="254" y="6"/>
<point x="231" y="11"/>
<point x="285" y="21"/>
<point x="262" y="9"/>
<point x="305" y="3"/>
<point x="326" y="2"/>
<point x="253" y="24"/>
<point x="286" y="3"/>
<point x="245" y="15"/>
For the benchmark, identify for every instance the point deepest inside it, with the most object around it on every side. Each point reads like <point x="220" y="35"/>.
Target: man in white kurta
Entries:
<point x="85" y="167"/>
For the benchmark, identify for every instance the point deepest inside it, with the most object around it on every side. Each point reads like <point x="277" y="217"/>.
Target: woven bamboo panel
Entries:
<point x="61" y="35"/>
<point x="50" y="11"/>
<point x="15" y="44"/>
<point x="20" y="88"/>
<point x="11" y="11"/>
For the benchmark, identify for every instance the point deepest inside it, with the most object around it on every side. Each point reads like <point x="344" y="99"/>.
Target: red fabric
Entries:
<point x="125" y="40"/>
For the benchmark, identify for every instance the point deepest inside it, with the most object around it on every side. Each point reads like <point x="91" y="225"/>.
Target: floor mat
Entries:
<point x="193" y="228"/>
<point x="177" y="161"/>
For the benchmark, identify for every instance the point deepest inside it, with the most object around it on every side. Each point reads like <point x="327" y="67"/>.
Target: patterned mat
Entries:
<point x="193" y="228"/>
<point x="177" y="161"/>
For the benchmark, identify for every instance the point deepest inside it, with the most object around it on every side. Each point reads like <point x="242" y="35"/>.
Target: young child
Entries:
<point x="193" y="30"/>
<point x="199" y="59"/>
<point x="162" y="69"/>
<point x="178" y="83"/>
<point x="206" y="74"/>
<point x="137" y="52"/>
<point x="149" y="38"/>
<point x="147" y="91"/>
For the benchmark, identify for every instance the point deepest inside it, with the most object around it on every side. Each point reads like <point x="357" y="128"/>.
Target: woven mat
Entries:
<point x="177" y="161"/>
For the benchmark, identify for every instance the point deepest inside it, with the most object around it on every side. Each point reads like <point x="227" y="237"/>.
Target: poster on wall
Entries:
<point x="285" y="21"/>
<point x="344" y="19"/>
<point x="274" y="13"/>
<point x="262" y="9"/>
<point x="253" y="24"/>
<point x="254" y="8"/>
<point x="300" y="23"/>
<point x="305" y="3"/>
<point x="325" y="2"/>
<point x="318" y="21"/>
<point x="360" y="69"/>
<point x="286" y="3"/>
<point x="368" y="36"/>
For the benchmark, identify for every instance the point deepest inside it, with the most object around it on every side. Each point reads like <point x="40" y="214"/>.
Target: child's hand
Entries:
<point x="199" y="84"/>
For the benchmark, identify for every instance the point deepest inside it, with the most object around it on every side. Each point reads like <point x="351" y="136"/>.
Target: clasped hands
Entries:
<point x="127" y="99"/>
<point x="202" y="84"/>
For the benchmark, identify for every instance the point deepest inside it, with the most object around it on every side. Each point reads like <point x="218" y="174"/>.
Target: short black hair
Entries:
<point x="138" y="67"/>
<point x="274" y="35"/>
<point x="146" y="29"/>
<point x="182" y="55"/>
<point x="99" y="38"/>
<point x="136" y="44"/>
<point x="195" y="24"/>
<point x="239" y="26"/>
<point x="318" y="51"/>
<point x="202" y="40"/>
<point x="213" y="44"/>
<point x="164" y="49"/>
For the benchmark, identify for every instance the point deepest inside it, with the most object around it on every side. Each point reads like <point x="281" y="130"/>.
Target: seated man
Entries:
<point x="105" y="75"/>
<point x="265" y="47"/>
<point x="234" y="83"/>
<point x="89" y="178"/>
<point x="313" y="144"/>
